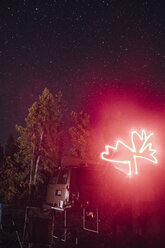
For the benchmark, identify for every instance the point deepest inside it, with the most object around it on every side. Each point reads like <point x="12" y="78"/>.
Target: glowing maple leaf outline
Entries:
<point x="142" y="137"/>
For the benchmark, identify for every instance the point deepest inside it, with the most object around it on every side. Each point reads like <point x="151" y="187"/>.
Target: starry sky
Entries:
<point x="98" y="53"/>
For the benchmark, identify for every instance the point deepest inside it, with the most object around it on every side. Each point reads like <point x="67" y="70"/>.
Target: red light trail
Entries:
<point x="141" y="149"/>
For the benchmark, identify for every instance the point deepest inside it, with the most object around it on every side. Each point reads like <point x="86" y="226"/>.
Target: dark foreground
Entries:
<point x="11" y="236"/>
<point x="10" y="240"/>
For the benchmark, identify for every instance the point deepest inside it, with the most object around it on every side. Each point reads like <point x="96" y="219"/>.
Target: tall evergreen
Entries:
<point x="1" y="155"/>
<point x="1" y="172"/>
<point x="10" y="147"/>
<point x="40" y="141"/>
<point x="9" y="172"/>
<point x="80" y="134"/>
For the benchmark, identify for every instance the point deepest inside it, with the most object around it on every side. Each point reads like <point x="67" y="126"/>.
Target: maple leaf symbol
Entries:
<point x="141" y="148"/>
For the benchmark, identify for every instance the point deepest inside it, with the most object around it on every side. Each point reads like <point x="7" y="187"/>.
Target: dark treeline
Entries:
<point x="27" y="163"/>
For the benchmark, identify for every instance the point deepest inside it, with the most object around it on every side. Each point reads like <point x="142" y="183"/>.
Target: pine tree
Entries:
<point x="40" y="141"/>
<point x="81" y="136"/>
<point x="1" y="155"/>
<point x="9" y="179"/>
<point x="10" y="147"/>
<point x="9" y="172"/>
<point x="1" y="172"/>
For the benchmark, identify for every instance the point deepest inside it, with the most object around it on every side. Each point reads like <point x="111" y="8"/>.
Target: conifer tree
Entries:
<point x="81" y="136"/>
<point x="1" y="172"/>
<point x="40" y="141"/>
<point x="10" y="147"/>
<point x="1" y="155"/>
<point x="9" y="172"/>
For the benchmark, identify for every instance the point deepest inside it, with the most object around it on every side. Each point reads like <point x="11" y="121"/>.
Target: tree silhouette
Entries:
<point x="1" y="155"/>
<point x="40" y="141"/>
<point x="80" y="134"/>
<point x="10" y="147"/>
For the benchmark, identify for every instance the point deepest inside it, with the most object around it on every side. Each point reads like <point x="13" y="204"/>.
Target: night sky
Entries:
<point x="98" y="53"/>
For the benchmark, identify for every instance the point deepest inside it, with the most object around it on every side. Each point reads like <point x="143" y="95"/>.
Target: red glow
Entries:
<point x="115" y="114"/>
<point x="140" y="148"/>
